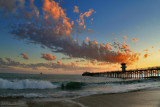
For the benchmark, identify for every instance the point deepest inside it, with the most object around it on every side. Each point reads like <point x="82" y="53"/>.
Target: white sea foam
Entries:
<point x="26" y="84"/>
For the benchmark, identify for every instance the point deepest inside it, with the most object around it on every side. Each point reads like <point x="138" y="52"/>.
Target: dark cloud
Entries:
<point x="52" y="66"/>
<point x="54" y="30"/>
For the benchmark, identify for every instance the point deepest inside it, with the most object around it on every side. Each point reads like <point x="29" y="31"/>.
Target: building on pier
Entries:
<point x="123" y="67"/>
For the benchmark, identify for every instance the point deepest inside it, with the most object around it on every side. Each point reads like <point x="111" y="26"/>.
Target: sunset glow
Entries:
<point x="68" y="37"/>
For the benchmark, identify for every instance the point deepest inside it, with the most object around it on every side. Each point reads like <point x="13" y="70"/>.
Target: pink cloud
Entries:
<point x="115" y="38"/>
<point x="87" y="38"/>
<point x="48" y="57"/>
<point x="24" y="56"/>
<point x="135" y="39"/>
<point x="125" y="37"/>
<point x="76" y="9"/>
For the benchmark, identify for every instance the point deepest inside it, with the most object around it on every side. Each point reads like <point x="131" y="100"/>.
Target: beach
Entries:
<point x="141" y="98"/>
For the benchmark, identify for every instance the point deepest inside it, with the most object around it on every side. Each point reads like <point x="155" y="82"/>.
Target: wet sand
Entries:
<point x="143" y="98"/>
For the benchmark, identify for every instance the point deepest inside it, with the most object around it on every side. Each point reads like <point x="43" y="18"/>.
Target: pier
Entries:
<point x="150" y="72"/>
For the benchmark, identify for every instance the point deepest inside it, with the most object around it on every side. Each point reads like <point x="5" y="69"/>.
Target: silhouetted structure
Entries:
<point x="151" y="72"/>
<point x="123" y="67"/>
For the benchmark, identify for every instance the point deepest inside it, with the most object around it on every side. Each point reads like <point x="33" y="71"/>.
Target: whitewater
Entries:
<point x="67" y="86"/>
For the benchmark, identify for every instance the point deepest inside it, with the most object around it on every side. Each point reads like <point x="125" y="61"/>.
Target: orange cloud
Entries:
<point x="145" y="50"/>
<point x="53" y="31"/>
<point x="93" y="62"/>
<point x="146" y="55"/>
<point x="152" y="46"/>
<point x="115" y="38"/>
<point x="81" y="17"/>
<point x="76" y="10"/>
<point x="87" y="38"/>
<point x="91" y="20"/>
<point x="48" y="57"/>
<point x="59" y="62"/>
<point x="87" y="64"/>
<point x="24" y="56"/>
<point x="125" y="45"/>
<point x="108" y="46"/>
<point x="102" y="63"/>
<point x="125" y="37"/>
<point x="53" y="10"/>
<point x="135" y="39"/>
<point x="73" y="64"/>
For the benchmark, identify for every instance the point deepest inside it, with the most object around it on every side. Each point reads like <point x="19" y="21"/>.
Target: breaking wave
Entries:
<point x="26" y="84"/>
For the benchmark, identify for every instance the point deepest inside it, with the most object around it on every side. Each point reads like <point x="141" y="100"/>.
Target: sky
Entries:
<point x="74" y="36"/>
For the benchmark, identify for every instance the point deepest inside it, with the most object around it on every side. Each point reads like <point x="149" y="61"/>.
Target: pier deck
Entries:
<point x="151" y="72"/>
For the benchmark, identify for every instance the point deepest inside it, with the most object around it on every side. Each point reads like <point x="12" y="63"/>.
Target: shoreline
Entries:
<point x="138" y="98"/>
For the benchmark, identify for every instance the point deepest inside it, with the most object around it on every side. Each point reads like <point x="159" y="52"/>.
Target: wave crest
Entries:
<point x="26" y="84"/>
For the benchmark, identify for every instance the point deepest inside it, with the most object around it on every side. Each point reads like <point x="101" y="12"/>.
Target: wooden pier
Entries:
<point x="151" y="72"/>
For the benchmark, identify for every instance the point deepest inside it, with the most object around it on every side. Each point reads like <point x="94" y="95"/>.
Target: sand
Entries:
<point x="143" y="98"/>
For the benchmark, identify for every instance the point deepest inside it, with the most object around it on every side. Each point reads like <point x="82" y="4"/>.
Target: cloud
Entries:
<point x="152" y="46"/>
<point x="17" y="66"/>
<point x="59" y="62"/>
<point x="91" y="19"/>
<point x="89" y="31"/>
<point x="102" y="63"/>
<point x="64" y="58"/>
<point x="48" y="57"/>
<point x="108" y="46"/>
<point x="74" y="64"/>
<point x="9" y="62"/>
<point x="87" y="64"/>
<point x="54" y="30"/>
<point x="115" y="38"/>
<point x="87" y="39"/>
<point x="145" y="50"/>
<point x="68" y="46"/>
<point x="146" y="55"/>
<point x="125" y="45"/>
<point x="125" y="37"/>
<point x="93" y="62"/>
<point x="24" y="56"/>
<point x="11" y="6"/>
<point x="135" y="39"/>
<point x="53" y="10"/>
<point x="76" y="10"/>
<point x="8" y="59"/>
<point x="80" y="21"/>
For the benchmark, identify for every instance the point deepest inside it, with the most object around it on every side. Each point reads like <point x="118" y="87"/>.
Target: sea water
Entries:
<point x="63" y="86"/>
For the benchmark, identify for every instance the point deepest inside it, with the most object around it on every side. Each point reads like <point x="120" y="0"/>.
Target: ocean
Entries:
<point x="67" y="86"/>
